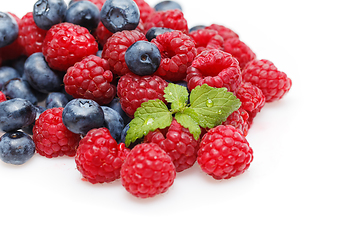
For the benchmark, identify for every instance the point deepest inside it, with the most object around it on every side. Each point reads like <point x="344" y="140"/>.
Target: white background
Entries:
<point x="303" y="182"/>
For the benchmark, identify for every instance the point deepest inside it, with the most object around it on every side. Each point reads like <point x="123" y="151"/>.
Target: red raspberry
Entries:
<point x="2" y="97"/>
<point x="177" y="52"/>
<point x="144" y="8"/>
<point x="272" y="82"/>
<point x="173" y="19"/>
<point x="251" y="97"/>
<point x="99" y="158"/>
<point x="215" y="68"/>
<point x="15" y="49"/>
<point x="51" y="137"/>
<point x="91" y="79"/>
<point x="147" y="171"/>
<point x="134" y="90"/>
<point x="67" y="43"/>
<point x="207" y="39"/>
<point x="115" y="48"/>
<point x="224" y="152"/>
<point x="239" y="50"/>
<point x="178" y="143"/>
<point x="223" y="31"/>
<point x="98" y="3"/>
<point x="30" y="36"/>
<point x="253" y="113"/>
<point x="239" y="120"/>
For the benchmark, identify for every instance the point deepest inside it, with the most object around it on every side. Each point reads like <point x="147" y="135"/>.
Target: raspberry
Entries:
<point x="115" y="48"/>
<point x="239" y="50"/>
<point x="98" y="3"/>
<point x="207" y="39"/>
<point x="239" y="120"/>
<point x="15" y="49"/>
<point x="264" y="74"/>
<point x="91" y="79"/>
<point x="144" y="8"/>
<point x="253" y="113"/>
<point x="31" y="37"/>
<point x="67" y="43"/>
<point x="215" y="68"/>
<point x="223" y="31"/>
<point x="173" y="19"/>
<point x="2" y="97"/>
<point x="134" y="90"/>
<point x="224" y="152"/>
<point x="99" y="158"/>
<point x="179" y="144"/>
<point x="147" y="171"/>
<point x="51" y="137"/>
<point x="177" y="51"/>
<point x="251" y="97"/>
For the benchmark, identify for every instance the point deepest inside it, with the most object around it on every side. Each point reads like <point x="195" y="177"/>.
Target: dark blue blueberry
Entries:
<point x="156" y="31"/>
<point x="197" y="27"/>
<point x="82" y="115"/>
<point x="143" y="58"/>
<point x="124" y="132"/>
<point x="118" y="15"/>
<point x="99" y="53"/>
<point x="47" y="13"/>
<point x="114" y="122"/>
<point x="116" y="105"/>
<point x="15" y="114"/>
<point x="18" y="64"/>
<point x="68" y="96"/>
<point x="167" y="5"/>
<point x="40" y="75"/>
<point x="29" y="129"/>
<point x="83" y="13"/>
<point x="7" y="73"/>
<point x="56" y="99"/>
<point x="16" y="147"/>
<point x="18" y="88"/>
<point x="9" y="29"/>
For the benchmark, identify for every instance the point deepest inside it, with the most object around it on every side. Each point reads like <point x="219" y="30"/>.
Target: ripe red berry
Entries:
<point x="133" y="90"/>
<point x="2" y="97"/>
<point x="207" y="39"/>
<point x="67" y="43"/>
<point x="251" y="97"/>
<point x="239" y="50"/>
<point x="99" y="158"/>
<point x="239" y="120"/>
<point x="173" y="19"/>
<point x="51" y="137"/>
<point x="144" y="8"/>
<point x="91" y="79"/>
<point x="223" y="31"/>
<point x="224" y="152"/>
<point x="265" y="75"/>
<point x="147" y="171"/>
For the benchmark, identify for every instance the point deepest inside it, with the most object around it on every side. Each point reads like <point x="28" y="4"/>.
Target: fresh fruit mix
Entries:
<point x="129" y="91"/>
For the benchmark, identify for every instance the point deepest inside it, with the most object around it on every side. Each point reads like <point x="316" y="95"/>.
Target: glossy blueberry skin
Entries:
<point x="143" y="58"/>
<point x="197" y="27"/>
<point x="116" y="105"/>
<point x="119" y="15"/>
<point x="167" y="5"/>
<point x="156" y="31"/>
<point x="16" y="147"/>
<point x="81" y="115"/>
<point x="29" y="129"/>
<point x="15" y="114"/>
<point x="9" y="29"/>
<point x="83" y="13"/>
<point x="114" y="122"/>
<point x="47" y="13"/>
<point x="18" y="64"/>
<point x="56" y="99"/>
<point x="40" y="76"/>
<point x="124" y="132"/>
<point x="7" y="73"/>
<point x="18" y="88"/>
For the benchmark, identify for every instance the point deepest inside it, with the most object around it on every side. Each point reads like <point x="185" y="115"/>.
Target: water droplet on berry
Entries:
<point x="209" y="103"/>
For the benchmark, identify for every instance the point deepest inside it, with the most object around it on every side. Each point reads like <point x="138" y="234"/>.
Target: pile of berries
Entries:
<point x="107" y="82"/>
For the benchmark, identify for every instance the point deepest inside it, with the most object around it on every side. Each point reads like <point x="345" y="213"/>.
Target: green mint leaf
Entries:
<point x="187" y="121"/>
<point x="176" y="95"/>
<point x="212" y="105"/>
<point x="152" y="115"/>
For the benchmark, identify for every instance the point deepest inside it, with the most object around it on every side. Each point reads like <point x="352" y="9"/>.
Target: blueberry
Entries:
<point x="116" y="105"/>
<point x="83" y="13"/>
<point x="56" y="99"/>
<point x="9" y="29"/>
<point x="99" y="53"/>
<point x="40" y="75"/>
<point x="167" y="5"/>
<point x="7" y="73"/>
<point x="124" y="132"/>
<point x="47" y="13"/>
<point x="18" y="64"/>
<point x="82" y="115"/>
<point x="118" y="15"/>
<point x="18" y="88"/>
<point x="16" y="147"/>
<point x="29" y="129"/>
<point x="197" y="27"/>
<point x="114" y="122"/>
<point x="15" y="114"/>
<point x="143" y="58"/>
<point x="156" y="31"/>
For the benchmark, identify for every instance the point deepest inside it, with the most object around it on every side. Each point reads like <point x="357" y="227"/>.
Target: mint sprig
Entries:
<point x="208" y="108"/>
